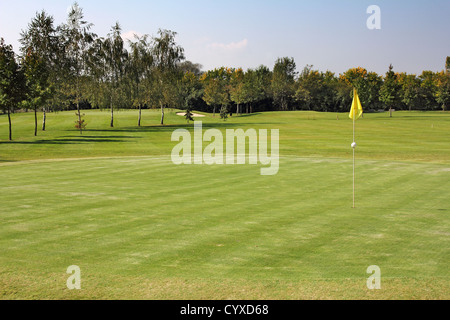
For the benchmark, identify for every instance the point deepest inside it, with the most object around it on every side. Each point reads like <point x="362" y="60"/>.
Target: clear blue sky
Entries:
<point x="328" y="34"/>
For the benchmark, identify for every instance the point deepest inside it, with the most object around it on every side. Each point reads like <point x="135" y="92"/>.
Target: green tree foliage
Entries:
<point x="224" y="112"/>
<point x="211" y="93"/>
<point x="39" y="88"/>
<point x="447" y="65"/>
<point x="389" y="91"/>
<point x="410" y="92"/>
<point x="310" y="88"/>
<point x="321" y="91"/>
<point x="428" y="90"/>
<point x="189" y="66"/>
<point x="95" y="84"/>
<point x="372" y="90"/>
<point x="443" y="90"/>
<point x="12" y="82"/>
<point x="257" y="86"/>
<point x="76" y="40"/>
<point x="237" y="92"/>
<point x="39" y="51"/>
<point x="358" y="78"/>
<point x="188" y="115"/>
<point x="167" y="55"/>
<point x="190" y="90"/>
<point x="69" y="67"/>
<point x="343" y="99"/>
<point x="115" y="57"/>
<point x="217" y="87"/>
<point x="140" y="66"/>
<point x="283" y="80"/>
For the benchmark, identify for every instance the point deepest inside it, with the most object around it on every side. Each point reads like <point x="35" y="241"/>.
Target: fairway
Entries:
<point x="139" y="227"/>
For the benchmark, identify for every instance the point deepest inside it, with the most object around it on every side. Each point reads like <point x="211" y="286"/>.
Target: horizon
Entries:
<point x="329" y="35"/>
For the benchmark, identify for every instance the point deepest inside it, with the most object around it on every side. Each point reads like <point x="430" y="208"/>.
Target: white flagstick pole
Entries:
<point x="353" y="160"/>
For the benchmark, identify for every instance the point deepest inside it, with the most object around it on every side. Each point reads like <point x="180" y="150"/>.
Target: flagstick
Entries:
<point x="353" y="163"/>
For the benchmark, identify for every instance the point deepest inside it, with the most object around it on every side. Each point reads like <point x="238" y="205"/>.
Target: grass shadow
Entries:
<point x="172" y="127"/>
<point x="101" y="138"/>
<point x="246" y="115"/>
<point x="64" y="141"/>
<point x="6" y="161"/>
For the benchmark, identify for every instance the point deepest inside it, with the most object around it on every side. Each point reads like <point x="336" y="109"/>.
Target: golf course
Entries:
<point x="111" y="202"/>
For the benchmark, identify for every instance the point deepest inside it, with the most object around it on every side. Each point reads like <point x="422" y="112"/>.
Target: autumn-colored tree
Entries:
<point x="443" y="89"/>
<point x="213" y="94"/>
<point x="358" y="79"/>
<point x="447" y="65"/>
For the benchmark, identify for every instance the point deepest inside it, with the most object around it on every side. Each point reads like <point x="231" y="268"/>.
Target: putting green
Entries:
<point x="141" y="224"/>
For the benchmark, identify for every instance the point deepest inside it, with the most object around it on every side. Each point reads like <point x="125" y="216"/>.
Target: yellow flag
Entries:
<point x="356" y="110"/>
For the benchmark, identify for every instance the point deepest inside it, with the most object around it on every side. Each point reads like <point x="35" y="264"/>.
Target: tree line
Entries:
<point x="68" y="67"/>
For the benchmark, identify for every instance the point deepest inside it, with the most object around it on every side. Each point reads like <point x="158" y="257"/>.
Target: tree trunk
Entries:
<point x="246" y="107"/>
<point x="9" y="121"/>
<point x="137" y="95"/>
<point x="112" y="116"/>
<point x="162" y="114"/>
<point x="78" y="102"/>
<point x="43" y="119"/>
<point x="35" y="121"/>
<point x="214" y="111"/>
<point x="139" y="120"/>
<point x="79" y="117"/>
<point x="390" y="112"/>
<point x="237" y="109"/>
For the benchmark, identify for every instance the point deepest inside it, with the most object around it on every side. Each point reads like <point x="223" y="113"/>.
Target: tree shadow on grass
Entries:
<point x="172" y="127"/>
<point x="6" y="161"/>
<point x="247" y="115"/>
<point x="74" y="140"/>
<point x="100" y="138"/>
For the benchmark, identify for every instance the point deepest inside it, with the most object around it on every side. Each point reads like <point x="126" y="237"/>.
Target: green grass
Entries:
<point x="140" y="227"/>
